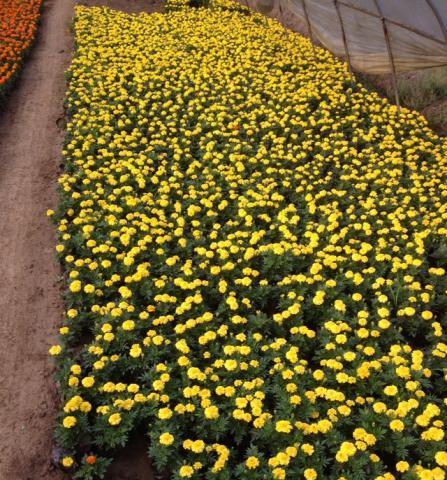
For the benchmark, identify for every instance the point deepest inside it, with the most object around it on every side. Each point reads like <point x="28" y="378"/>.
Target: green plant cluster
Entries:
<point x="255" y="256"/>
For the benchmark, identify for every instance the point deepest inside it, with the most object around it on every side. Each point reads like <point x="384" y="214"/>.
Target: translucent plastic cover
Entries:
<point x="412" y="34"/>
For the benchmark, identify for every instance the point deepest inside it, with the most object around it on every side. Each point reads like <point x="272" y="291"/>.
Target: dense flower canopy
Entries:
<point x="255" y="251"/>
<point x="18" y="24"/>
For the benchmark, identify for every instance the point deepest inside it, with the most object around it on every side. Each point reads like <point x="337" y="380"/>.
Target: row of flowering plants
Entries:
<point x="255" y="253"/>
<point x="18" y="25"/>
<point x="228" y="5"/>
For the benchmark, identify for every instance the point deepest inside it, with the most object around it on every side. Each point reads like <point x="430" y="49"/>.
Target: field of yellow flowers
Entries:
<point x="255" y="254"/>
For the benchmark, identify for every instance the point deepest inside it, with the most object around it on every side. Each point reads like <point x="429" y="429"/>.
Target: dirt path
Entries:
<point x="30" y="302"/>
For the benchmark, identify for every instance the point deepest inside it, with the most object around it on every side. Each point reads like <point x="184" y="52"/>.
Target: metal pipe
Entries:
<point x="343" y="35"/>
<point x="309" y="27"/>
<point x="438" y="17"/>
<point x="394" y="22"/>
<point x="390" y="54"/>
<point x="280" y="11"/>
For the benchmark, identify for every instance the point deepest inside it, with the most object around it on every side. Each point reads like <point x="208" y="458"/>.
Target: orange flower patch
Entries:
<point x="18" y="24"/>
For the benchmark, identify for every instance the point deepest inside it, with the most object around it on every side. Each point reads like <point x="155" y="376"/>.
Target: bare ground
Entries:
<point x="30" y="301"/>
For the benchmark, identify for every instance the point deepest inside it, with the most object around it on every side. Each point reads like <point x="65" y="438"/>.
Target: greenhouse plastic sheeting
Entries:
<point x="416" y="31"/>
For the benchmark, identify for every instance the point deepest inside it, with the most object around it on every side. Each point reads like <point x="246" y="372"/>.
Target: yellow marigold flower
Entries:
<point x="125" y="292"/>
<point x="128" y="325"/>
<point x="279" y="473"/>
<point x="307" y="449"/>
<point x="438" y="473"/>
<point x="186" y="471"/>
<point x="441" y="458"/>
<point x="310" y="474"/>
<point x="397" y="425"/>
<point x="198" y="446"/>
<point x="75" y="286"/>
<point x="252" y="462"/>
<point x="165" y="413"/>
<point x="88" y="382"/>
<point x="89" y="288"/>
<point x="166" y="439"/>
<point x="340" y="306"/>
<point x="283" y="426"/>
<point x="211" y="412"/>
<point x="69" y="422"/>
<point x="85" y="407"/>
<point x="73" y="381"/>
<point x="384" y="324"/>
<point x="109" y="336"/>
<point x="55" y="350"/>
<point x="390" y="390"/>
<point x="433" y="433"/>
<point x="67" y="462"/>
<point x="402" y="466"/>
<point x="136" y="351"/>
<point x="319" y="297"/>
<point x="379" y="407"/>
<point x="115" y="419"/>
<point x="346" y="450"/>
<point x="341" y="457"/>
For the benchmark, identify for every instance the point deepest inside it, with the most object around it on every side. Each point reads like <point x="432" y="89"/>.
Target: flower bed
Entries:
<point x="255" y="256"/>
<point x="18" y="24"/>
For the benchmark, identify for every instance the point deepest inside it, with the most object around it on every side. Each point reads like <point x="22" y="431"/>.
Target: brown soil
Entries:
<point x="30" y="300"/>
<point x="435" y="111"/>
<point x="132" y="462"/>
